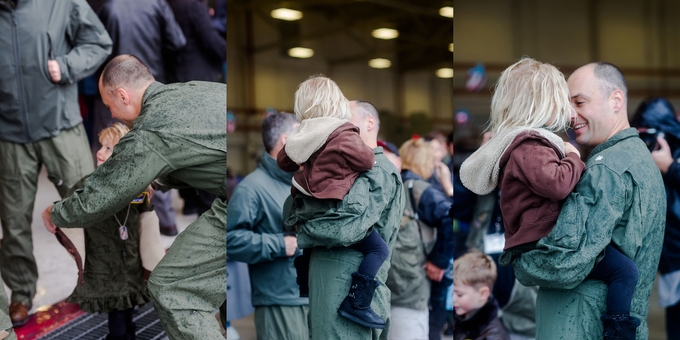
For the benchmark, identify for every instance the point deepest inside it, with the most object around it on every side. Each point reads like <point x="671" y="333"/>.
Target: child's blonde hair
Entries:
<point x="319" y="96"/>
<point x="114" y="132"/>
<point x="475" y="269"/>
<point x="528" y="94"/>
<point x="417" y="155"/>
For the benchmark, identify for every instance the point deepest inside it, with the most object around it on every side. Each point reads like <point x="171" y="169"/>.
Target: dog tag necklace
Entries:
<point x="123" y="231"/>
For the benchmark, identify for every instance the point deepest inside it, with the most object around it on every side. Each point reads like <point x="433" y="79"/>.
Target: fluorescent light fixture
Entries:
<point x="446" y="11"/>
<point x="385" y="33"/>
<point x="451" y="47"/>
<point x="445" y="73"/>
<point x="286" y="14"/>
<point x="379" y="63"/>
<point x="300" y="52"/>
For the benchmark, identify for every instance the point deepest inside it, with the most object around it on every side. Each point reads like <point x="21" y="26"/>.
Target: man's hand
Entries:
<point x="433" y="272"/>
<point x="291" y="245"/>
<point x="54" y="70"/>
<point x="662" y="157"/>
<point x="47" y="219"/>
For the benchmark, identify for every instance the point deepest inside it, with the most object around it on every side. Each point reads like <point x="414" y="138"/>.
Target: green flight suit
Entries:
<point x="332" y="264"/>
<point x="620" y="199"/>
<point x="179" y="138"/>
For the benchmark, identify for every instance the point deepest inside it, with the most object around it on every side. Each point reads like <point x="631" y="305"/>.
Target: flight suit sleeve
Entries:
<point x="245" y="244"/>
<point x="351" y="220"/>
<point x="134" y="164"/>
<point x="564" y="258"/>
<point x="92" y="44"/>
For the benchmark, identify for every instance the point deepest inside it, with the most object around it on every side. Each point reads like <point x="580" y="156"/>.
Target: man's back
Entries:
<point x="620" y="198"/>
<point x="381" y="190"/>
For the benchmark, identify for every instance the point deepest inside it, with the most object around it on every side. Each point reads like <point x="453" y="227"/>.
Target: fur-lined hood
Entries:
<point x="310" y="136"/>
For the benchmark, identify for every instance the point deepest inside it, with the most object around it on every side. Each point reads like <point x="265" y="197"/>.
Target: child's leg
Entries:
<point x="375" y="253"/>
<point x="129" y="324"/>
<point x="357" y="305"/>
<point x="117" y="325"/>
<point x="302" y="269"/>
<point x="621" y="274"/>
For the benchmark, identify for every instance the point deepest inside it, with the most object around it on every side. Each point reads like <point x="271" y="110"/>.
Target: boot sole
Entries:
<point x="359" y="321"/>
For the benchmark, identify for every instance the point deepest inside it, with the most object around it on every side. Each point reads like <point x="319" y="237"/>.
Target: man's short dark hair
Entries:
<point x="275" y="125"/>
<point x="611" y="78"/>
<point x="125" y="70"/>
<point x="367" y="109"/>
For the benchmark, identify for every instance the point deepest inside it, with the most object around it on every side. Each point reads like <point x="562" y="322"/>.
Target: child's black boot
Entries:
<point x="125" y="336"/>
<point x="619" y="326"/>
<point x="357" y="304"/>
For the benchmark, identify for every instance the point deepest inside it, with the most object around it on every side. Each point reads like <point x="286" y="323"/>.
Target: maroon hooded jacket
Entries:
<point x="534" y="180"/>
<point x="330" y="171"/>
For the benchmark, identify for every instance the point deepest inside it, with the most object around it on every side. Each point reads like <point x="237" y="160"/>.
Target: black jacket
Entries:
<point x="482" y="325"/>
<point x="205" y="51"/>
<point x="143" y="29"/>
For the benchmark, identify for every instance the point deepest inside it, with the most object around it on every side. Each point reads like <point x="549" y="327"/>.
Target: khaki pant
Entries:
<point x="282" y="322"/>
<point x="190" y="282"/>
<point x="67" y="159"/>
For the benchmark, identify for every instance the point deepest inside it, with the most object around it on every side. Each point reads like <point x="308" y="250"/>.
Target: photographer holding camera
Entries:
<point x="659" y="126"/>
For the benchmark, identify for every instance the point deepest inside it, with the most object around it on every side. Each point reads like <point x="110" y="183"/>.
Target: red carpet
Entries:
<point x="43" y="322"/>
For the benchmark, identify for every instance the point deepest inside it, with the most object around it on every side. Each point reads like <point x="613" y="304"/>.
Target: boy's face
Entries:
<point x="468" y="299"/>
<point x="105" y="151"/>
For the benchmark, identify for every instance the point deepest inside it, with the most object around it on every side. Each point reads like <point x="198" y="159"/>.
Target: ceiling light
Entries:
<point x="300" y="52"/>
<point x="385" y="33"/>
<point x="286" y="14"/>
<point x="446" y="12"/>
<point x="379" y="63"/>
<point x="451" y="47"/>
<point x="445" y="73"/>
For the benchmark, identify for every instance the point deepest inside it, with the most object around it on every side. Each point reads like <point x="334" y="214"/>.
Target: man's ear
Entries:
<point x="618" y="99"/>
<point x="283" y="138"/>
<point x="370" y="123"/>
<point x="123" y="96"/>
<point x="484" y="293"/>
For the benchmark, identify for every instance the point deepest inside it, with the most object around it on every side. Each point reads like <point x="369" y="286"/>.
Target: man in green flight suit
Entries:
<point x="330" y="269"/>
<point x="177" y="138"/>
<point x="620" y="199"/>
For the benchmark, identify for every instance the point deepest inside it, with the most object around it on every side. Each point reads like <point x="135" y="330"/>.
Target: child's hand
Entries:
<point x="47" y="219"/>
<point x="568" y="148"/>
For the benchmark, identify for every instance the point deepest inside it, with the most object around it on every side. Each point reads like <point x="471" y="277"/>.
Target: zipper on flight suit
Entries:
<point x="20" y="81"/>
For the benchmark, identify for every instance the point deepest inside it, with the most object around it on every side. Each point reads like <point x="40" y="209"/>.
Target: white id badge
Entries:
<point x="494" y="243"/>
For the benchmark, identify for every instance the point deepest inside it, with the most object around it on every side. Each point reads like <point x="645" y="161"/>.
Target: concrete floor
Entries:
<point x="57" y="273"/>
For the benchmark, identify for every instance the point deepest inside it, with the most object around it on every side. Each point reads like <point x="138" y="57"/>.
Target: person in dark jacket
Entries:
<point x="476" y="309"/>
<point x="44" y="52"/>
<point x="656" y="115"/>
<point x="205" y="50"/>
<point x="411" y="264"/>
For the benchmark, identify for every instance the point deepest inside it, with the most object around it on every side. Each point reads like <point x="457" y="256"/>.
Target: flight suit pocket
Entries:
<point x="570" y="229"/>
